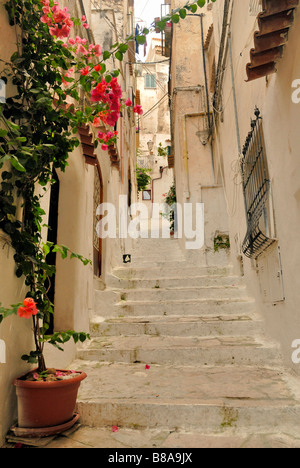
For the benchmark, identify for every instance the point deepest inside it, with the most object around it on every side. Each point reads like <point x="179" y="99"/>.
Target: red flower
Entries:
<point x="97" y="68"/>
<point x="147" y="366"/>
<point x="128" y="102"/>
<point x="85" y="71"/>
<point x="29" y="308"/>
<point x="115" y="428"/>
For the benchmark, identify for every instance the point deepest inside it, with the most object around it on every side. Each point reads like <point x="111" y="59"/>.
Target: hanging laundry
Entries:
<point x="137" y="33"/>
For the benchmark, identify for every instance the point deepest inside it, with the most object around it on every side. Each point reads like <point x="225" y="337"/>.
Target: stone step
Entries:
<point x="189" y="351"/>
<point x="177" y="326"/>
<point x="159" y="295"/>
<point x="220" y="400"/>
<point x="202" y="307"/>
<point x="168" y="282"/>
<point x="166" y="271"/>
<point x="125" y="438"/>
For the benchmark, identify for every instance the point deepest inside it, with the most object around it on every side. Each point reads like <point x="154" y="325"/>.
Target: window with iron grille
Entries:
<point x="150" y="81"/>
<point x="257" y="189"/>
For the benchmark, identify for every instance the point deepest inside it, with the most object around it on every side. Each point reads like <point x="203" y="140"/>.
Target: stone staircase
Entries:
<point x="179" y="348"/>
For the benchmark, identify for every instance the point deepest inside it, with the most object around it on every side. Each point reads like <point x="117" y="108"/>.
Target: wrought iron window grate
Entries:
<point x="256" y="188"/>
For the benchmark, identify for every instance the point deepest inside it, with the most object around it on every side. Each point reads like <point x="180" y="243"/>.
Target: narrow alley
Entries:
<point x="179" y="358"/>
<point x="149" y="225"/>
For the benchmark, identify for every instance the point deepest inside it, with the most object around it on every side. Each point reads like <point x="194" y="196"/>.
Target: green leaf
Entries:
<point x="141" y="40"/>
<point x="201" y="3"/>
<point x="17" y="165"/>
<point x="175" y="18"/>
<point x="183" y="13"/>
<point x="123" y="48"/>
<point x="106" y="55"/>
<point x="119" y="56"/>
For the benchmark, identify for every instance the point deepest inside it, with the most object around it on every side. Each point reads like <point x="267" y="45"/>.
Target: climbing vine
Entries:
<point x="59" y="82"/>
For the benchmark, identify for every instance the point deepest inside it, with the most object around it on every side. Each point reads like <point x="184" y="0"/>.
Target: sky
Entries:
<point x="147" y="10"/>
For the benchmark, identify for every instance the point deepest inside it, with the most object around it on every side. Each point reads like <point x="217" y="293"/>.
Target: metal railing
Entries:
<point x="256" y="187"/>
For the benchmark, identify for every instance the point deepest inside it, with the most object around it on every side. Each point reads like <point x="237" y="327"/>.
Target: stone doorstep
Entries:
<point x="161" y="296"/>
<point x="104" y="437"/>
<point x="174" y="282"/>
<point x="170" y="308"/>
<point x="177" y="326"/>
<point x="207" y="399"/>
<point x="165" y="270"/>
<point x="180" y="350"/>
<point x="124" y="438"/>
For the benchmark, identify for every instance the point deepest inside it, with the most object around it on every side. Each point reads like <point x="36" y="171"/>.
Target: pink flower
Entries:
<point x="128" y="102"/>
<point x="35" y="375"/>
<point x="71" y="41"/>
<point x="80" y="49"/>
<point x="78" y="39"/>
<point x="147" y="366"/>
<point x="138" y="110"/>
<point x="104" y="148"/>
<point x="115" y="428"/>
<point x="46" y="20"/>
<point x="86" y="26"/>
<point x="98" y="50"/>
<point x="83" y="19"/>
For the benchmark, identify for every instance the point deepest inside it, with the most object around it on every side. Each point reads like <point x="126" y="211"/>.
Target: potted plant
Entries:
<point x="46" y="397"/>
<point x="38" y="128"/>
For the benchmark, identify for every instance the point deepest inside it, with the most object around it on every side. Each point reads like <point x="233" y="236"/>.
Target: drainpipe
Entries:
<point x="234" y="95"/>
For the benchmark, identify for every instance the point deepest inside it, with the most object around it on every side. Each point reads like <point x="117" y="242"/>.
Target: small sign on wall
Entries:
<point x="126" y="258"/>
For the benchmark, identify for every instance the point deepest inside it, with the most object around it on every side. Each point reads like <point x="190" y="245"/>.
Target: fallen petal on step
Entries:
<point x="147" y="366"/>
<point x="115" y="428"/>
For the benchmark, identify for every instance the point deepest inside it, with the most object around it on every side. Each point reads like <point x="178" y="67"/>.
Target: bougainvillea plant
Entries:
<point x="60" y="82"/>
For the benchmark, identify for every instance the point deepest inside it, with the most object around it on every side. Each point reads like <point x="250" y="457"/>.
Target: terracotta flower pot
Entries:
<point x="45" y="404"/>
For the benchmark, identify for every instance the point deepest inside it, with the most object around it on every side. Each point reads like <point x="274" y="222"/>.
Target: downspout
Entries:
<point x="234" y="95"/>
<point x="207" y="100"/>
